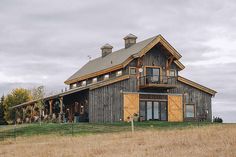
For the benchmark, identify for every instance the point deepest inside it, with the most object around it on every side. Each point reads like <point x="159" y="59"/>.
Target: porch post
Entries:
<point x="50" y="105"/>
<point x="31" y="113"/>
<point x="61" y="115"/>
<point x="61" y="104"/>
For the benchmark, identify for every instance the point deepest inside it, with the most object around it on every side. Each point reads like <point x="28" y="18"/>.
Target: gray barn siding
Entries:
<point x="201" y="99"/>
<point x="157" y="57"/>
<point x="106" y="103"/>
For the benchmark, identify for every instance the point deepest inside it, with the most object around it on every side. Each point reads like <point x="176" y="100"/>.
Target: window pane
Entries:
<point x="163" y="111"/>
<point x="156" y="110"/>
<point x="153" y="75"/>
<point x="149" y="110"/>
<point x="95" y="80"/>
<point x="172" y="72"/>
<point x="189" y="111"/>
<point x="132" y="71"/>
<point x="142" y="109"/>
<point x="84" y="83"/>
<point x="118" y="73"/>
<point x="106" y="76"/>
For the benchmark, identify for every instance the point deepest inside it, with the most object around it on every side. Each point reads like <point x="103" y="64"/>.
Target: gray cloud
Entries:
<point x="44" y="42"/>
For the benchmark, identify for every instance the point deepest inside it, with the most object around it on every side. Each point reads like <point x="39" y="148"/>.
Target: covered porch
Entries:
<point x="68" y="106"/>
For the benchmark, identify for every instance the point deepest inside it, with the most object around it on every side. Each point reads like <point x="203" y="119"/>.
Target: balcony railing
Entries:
<point x="157" y="80"/>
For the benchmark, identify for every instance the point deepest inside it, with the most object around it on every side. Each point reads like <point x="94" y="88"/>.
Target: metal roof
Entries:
<point x="113" y="59"/>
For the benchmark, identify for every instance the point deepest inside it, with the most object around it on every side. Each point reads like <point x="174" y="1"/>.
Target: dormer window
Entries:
<point x="74" y="85"/>
<point x="84" y="83"/>
<point x="106" y="76"/>
<point x="95" y="80"/>
<point x="119" y="73"/>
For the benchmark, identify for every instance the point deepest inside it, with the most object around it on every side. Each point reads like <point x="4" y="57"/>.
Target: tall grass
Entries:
<point x="210" y="140"/>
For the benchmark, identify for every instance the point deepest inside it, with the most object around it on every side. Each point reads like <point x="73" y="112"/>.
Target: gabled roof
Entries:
<point x="121" y="58"/>
<point x="196" y="85"/>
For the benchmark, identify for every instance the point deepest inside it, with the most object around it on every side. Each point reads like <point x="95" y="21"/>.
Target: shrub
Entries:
<point x="217" y="120"/>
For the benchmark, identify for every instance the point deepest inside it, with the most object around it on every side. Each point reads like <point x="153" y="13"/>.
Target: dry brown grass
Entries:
<point x="210" y="141"/>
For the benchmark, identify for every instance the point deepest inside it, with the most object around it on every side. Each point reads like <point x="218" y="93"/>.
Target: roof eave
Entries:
<point x="196" y="85"/>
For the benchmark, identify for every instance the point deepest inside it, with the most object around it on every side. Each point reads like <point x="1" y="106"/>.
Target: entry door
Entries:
<point x="153" y="110"/>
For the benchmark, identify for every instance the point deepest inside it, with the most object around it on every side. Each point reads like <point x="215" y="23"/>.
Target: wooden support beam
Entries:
<point x="50" y="105"/>
<point x="61" y="104"/>
<point x="169" y="61"/>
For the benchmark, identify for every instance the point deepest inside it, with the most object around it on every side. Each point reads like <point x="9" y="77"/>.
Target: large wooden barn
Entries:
<point x="140" y="80"/>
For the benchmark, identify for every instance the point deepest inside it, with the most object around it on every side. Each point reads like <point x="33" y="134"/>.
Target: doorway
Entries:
<point x="153" y="110"/>
<point x="153" y="75"/>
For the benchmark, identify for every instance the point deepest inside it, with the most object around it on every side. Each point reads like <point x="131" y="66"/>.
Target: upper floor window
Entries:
<point x="132" y="71"/>
<point x="119" y="73"/>
<point x="74" y="85"/>
<point x="172" y="72"/>
<point x="94" y="80"/>
<point x="84" y="83"/>
<point x="106" y="76"/>
<point x="189" y="110"/>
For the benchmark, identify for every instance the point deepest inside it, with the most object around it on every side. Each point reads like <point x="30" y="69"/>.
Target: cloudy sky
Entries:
<point x="43" y="42"/>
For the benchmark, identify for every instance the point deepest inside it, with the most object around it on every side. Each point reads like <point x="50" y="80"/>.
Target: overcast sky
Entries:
<point x="43" y="42"/>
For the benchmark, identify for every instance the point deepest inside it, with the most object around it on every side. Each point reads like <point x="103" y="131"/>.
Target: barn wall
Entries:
<point x="192" y="95"/>
<point x="106" y="103"/>
<point x="157" y="56"/>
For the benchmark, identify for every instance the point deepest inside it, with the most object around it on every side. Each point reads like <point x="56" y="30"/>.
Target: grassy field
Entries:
<point x="115" y="140"/>
<point x="86" y="128"/>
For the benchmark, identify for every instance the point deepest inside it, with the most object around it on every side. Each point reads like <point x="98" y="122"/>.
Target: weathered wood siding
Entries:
<point x="192" y="95"/>
<point x="157" y="56"/>
<point x="106" y="103"/>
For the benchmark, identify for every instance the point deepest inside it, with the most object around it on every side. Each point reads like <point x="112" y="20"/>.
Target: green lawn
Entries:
<point x="87" y="128"/>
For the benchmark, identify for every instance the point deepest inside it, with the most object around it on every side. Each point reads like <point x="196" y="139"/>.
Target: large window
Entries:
<point x="153" y="110"/>
<point x="153" y="75"/>
<point x="189" y="110"/>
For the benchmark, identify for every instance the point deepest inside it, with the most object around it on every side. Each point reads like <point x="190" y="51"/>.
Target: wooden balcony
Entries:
<point x="157" y="81"/>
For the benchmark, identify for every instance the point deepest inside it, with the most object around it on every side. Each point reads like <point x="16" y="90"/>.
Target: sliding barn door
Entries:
<point x="175" y="108"/>
<point x="131" y="105"/>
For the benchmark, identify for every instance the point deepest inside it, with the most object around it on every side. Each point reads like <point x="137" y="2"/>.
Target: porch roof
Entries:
<point x="78" y="89"/>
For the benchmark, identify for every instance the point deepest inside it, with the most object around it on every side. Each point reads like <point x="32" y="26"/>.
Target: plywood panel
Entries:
<point x="131" y="105"/>
<point x="175" y="108"/>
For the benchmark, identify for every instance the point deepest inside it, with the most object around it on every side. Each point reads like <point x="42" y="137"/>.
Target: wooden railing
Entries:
<point x="157" y="79"/>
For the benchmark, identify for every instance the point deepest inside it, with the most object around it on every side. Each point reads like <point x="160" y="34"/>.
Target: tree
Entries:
<point x="2" y="112"/>
<point x="17" y="96"/>
<point x="38" y="94"/>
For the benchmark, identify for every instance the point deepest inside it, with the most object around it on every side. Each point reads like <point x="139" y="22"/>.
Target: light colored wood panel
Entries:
<point x="131" y="105"/>
<point x="175" y="108"/>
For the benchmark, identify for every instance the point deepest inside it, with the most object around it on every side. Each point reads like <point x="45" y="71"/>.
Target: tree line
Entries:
<point x="19" y="96"/>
